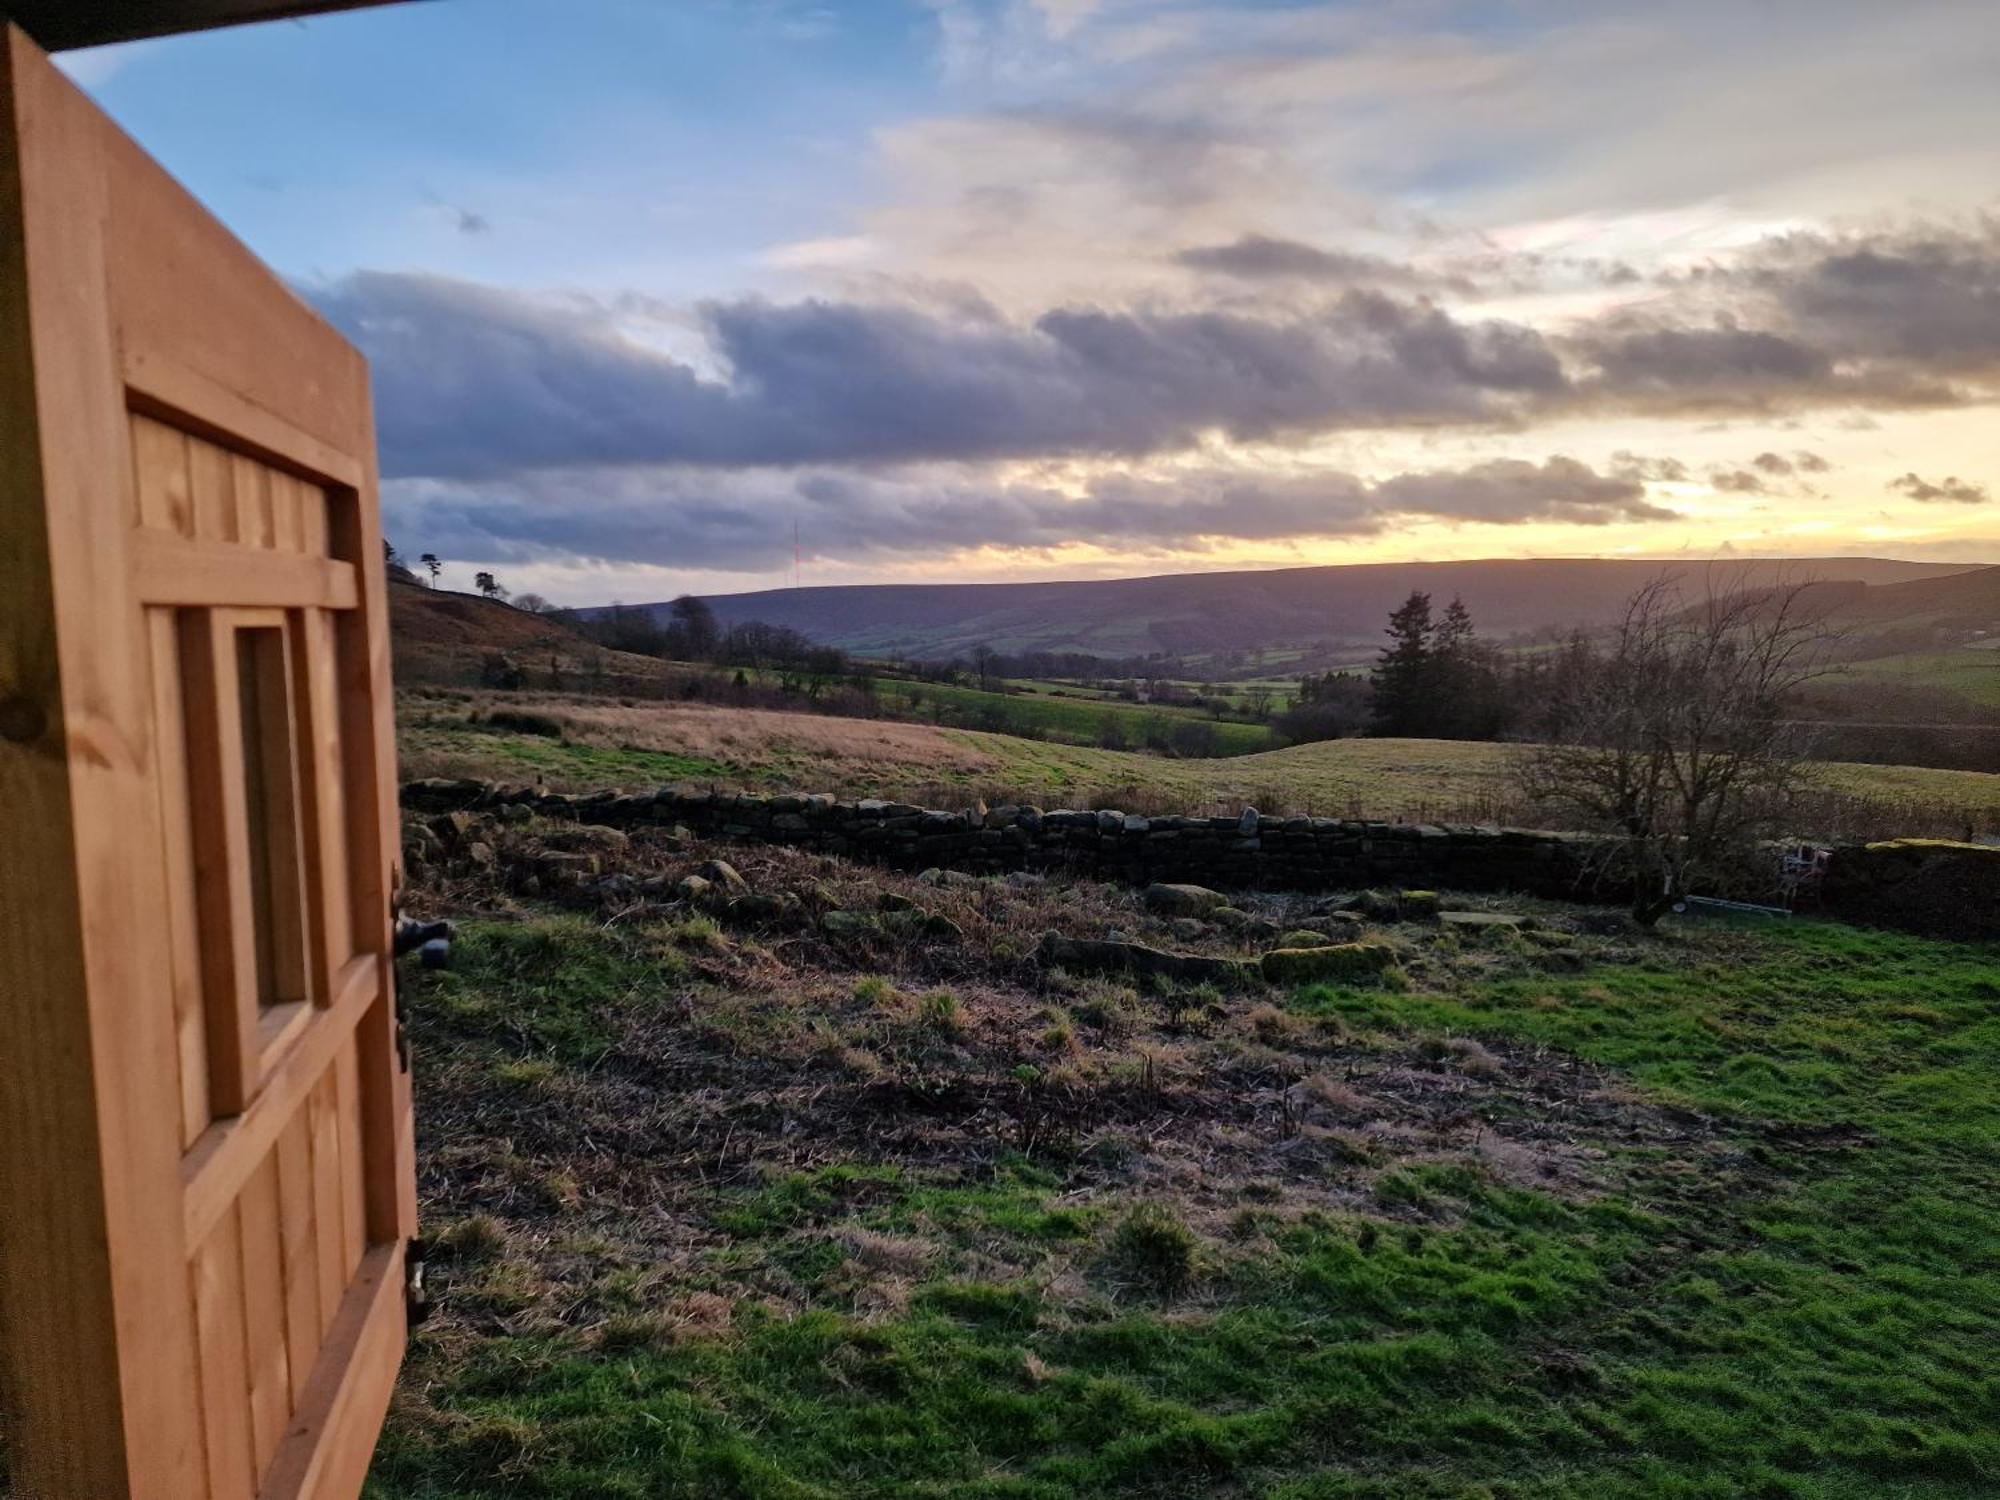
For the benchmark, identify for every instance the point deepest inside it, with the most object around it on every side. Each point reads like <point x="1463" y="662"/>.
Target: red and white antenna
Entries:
<point x="795" y="552"/>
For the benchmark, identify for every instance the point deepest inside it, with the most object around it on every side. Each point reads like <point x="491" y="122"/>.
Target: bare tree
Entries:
<point x="983" y="657"/>
<point x="1670" y="733"/>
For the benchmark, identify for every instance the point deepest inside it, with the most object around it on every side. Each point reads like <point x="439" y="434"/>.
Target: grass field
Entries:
<point x="1973" y="674"/>
<point x="597" y="742"/>
<point x="726" y="1210"/>
<point x="1074" y="721"/>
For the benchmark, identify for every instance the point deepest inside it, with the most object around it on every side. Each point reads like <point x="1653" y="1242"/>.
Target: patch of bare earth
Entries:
<point x="765" y="1041"/>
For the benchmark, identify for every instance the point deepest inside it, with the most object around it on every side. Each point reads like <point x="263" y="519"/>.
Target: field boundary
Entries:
<point x="1954" y="889"/>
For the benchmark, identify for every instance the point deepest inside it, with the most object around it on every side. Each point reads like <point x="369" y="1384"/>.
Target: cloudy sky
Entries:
<point x="1065" y="288"/>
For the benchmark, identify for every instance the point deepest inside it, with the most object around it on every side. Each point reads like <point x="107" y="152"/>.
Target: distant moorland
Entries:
<point x="1275" y="610"/>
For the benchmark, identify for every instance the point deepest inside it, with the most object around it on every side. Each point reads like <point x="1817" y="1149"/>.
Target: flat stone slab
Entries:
<point x="1485" y="919"/>
<point x="1339" y="961"/>
<point x="1111" y="956"/>
<point x="1183" y="900"/>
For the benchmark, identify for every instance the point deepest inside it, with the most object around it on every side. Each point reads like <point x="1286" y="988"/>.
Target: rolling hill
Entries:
<point x="439" y="636"/>
<point x="1960" y="601"/>
<point x="1279" y="609"/>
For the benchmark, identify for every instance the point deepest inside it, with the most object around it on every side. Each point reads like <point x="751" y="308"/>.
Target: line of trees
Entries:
<point x="691" y="633"/>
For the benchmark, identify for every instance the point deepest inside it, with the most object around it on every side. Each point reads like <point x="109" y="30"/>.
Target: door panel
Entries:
<point x="209" y="1185"/>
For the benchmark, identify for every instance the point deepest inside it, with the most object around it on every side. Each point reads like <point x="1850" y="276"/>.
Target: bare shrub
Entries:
<point x="1672" y="733"/>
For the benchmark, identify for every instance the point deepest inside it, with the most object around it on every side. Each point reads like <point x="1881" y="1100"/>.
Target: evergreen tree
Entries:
<point x="1401" y="684"/>
<point x="695" y="634"/>
<point x="1460" y="694"/>
<point x="1451" y="643"/>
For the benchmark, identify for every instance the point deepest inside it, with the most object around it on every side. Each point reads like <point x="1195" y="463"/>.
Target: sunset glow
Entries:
<point x="1039" y="290"/>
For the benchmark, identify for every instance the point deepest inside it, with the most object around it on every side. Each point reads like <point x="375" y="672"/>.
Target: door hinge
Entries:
<point x="416" y="1295"/>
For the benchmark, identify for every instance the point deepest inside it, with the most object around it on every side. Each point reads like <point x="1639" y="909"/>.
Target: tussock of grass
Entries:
<point x="1152" y="1249"/>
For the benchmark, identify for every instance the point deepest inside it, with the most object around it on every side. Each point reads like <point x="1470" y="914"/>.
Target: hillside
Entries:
<point x="586" y="743"/>
<point x="1274" y="610"/>
<point x="1962" y="601"/>
<point x="441" y="636"/>
<point x="420" y="616"/>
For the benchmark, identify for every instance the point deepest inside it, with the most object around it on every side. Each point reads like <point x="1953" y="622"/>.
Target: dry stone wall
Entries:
<point x="1932" y="886"/>
<point x="1947" y="890"/>
<point x="1249" y="851"/>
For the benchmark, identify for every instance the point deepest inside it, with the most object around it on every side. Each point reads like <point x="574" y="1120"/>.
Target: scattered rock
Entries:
<point x="849" y="925"/>
<point x="1189" y="929"/>
<point x="1105" y="956"/>
<point x="905" y="922"/>
<point x="514" y="812"/>
<point x="1417" y="906"/>
<point x="895" y="901"/>
<point x="1305" y="937"/>
<point x="1246" y="826"/>
<point x="936" y="876"/>
<point x="1392" y="906"/>
<point x="1248" y="924"/>
<point x="754" y="908"/>
<point x="724" y="874"/>
<point x="1484" y="921"/>
<point x="1183" y="900"/>
<point x="1377" y="906"/>
<point x="1336" y="961"/>
<point x="454" y="828"/>
<point x="693" y="887"/>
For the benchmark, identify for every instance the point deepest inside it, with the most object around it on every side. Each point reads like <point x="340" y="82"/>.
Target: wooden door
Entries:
<point x="206" y="1182"/>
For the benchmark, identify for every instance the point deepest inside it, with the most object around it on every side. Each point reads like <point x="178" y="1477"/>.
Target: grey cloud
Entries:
<point x="1737" y="481"/>
<point x="477" y="382"/>
<point x="743" y="520"/>
<point x="1773" y="463"/>
<point x="1894" y="318"/>
<point x="1702" y="364"/>
<point x="1931" y="296"/>
<point x="1629" y="465"/>
<point x="1510" y="490"/>
<point x="1260" y="257"/>
<point x="1949" y="490"/>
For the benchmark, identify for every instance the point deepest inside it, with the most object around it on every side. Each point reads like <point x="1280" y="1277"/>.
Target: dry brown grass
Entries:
<point x="633" y="742"/>
<point x="743" y="735"/>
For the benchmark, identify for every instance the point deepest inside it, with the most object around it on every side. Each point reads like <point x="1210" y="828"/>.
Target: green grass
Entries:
<point x="1806" y="1306"/>
<point x="1072" y="721"/>
<point x="1973" y="674"/>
